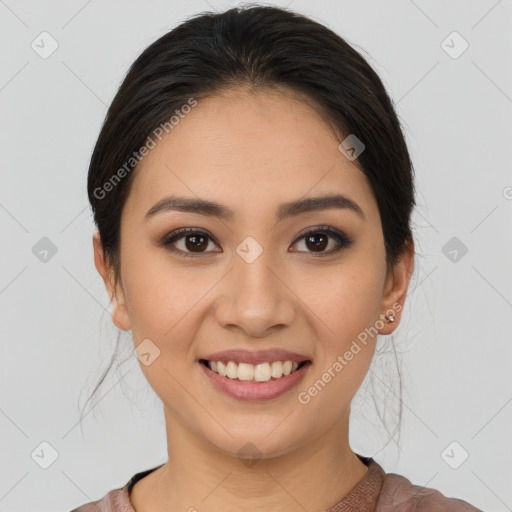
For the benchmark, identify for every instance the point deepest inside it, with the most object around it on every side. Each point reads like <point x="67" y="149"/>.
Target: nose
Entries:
<point x="254" y="298"/>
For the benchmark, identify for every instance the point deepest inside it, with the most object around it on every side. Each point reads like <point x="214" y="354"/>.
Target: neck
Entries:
<point x="198" y="476"/>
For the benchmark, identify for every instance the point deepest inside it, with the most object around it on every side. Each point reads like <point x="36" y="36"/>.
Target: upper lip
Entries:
<point x="261" y="356"/>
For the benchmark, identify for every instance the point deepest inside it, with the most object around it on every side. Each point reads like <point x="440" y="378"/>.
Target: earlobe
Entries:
<point x="120" y="315"/>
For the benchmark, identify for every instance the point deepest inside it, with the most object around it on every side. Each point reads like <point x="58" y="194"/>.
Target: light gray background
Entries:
<point x="57" y="336"/>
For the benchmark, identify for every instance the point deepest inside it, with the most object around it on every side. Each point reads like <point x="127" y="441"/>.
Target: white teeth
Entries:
<point x="245" y="371"/>
<point x="262" y="372"/>
<point x="231" y="370"/>
<point x="287" y="367"/>
<point x="221" y="368"/>
<point x="277" y="369"/>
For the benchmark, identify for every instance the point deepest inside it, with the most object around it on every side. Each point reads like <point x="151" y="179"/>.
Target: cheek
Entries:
<point x="161" y="303"/>
<point x="346" y="302"/>
<point x="166" y="305"/>
<point x="352" y="304"/>
<point x="345" y="298"/>
<point x="158" y="296"/>
<point x="346" y="306"/>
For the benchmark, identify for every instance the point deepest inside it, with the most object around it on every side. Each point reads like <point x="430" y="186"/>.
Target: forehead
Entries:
<point x="247" y="149"/>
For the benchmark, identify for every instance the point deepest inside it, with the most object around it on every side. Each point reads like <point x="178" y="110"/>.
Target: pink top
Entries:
<point x="377" y="491"/>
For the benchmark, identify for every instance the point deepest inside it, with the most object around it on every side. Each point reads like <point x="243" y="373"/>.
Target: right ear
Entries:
<point x="120" y="315"/>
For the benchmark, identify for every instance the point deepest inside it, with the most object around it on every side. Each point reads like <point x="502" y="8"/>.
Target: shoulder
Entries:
<point x="114" y="501"/>
<point x="398" y="494"/>
<point x="117" y="500"/>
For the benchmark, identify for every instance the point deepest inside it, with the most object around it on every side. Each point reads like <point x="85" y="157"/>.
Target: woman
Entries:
<point x="252" y="191"/>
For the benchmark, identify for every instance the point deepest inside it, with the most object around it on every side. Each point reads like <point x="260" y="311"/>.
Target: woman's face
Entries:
<point x="251" y="280"/>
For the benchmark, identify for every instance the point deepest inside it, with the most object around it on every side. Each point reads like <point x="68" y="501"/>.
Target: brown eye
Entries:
<point x="191" y="242"/>
<point x="195" y="243"/>
<point x="317" y="240"/>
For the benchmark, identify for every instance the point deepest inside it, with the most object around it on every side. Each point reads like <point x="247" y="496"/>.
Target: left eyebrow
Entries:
<point x="284" y="211"/>
<point x="313" y="204"/>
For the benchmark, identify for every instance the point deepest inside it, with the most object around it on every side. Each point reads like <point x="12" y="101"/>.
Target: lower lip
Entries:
<point x="248" y="390"/>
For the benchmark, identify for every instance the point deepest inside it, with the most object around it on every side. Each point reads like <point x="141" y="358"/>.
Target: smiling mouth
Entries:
<point x="245" y="372"/>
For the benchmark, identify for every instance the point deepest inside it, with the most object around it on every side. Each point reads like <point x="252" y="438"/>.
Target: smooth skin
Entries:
<point x="251" y="151"/>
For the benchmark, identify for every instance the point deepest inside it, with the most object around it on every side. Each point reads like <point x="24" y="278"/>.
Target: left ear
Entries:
<point x="395" y="288"/>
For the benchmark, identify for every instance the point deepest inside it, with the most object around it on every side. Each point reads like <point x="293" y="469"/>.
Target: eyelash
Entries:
<point x="344" y="240"/>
